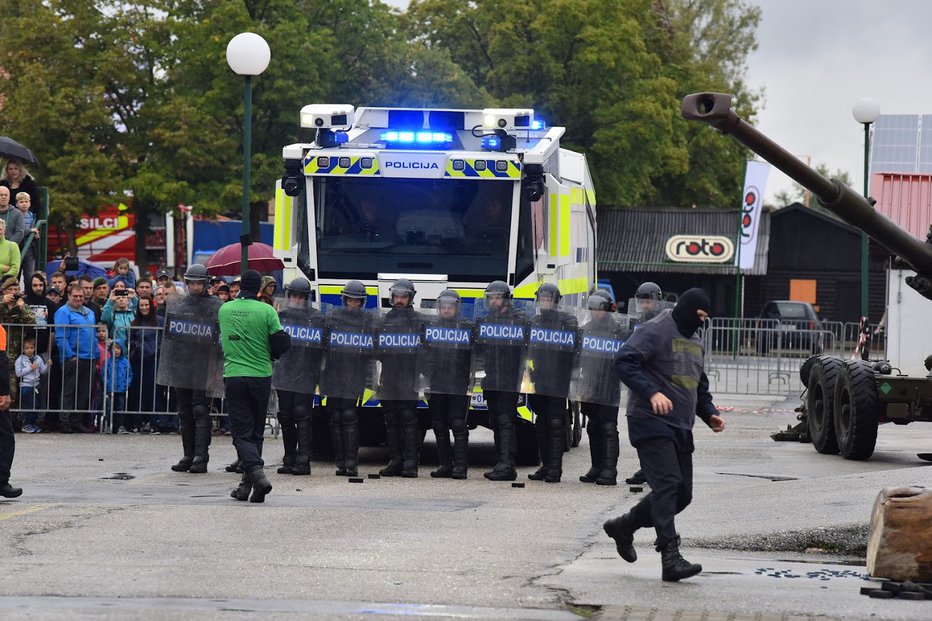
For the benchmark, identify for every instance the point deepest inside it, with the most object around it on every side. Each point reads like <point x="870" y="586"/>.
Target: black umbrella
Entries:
<point x="11" y="148"/>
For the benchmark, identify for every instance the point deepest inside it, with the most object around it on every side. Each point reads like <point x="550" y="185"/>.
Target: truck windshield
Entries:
<point x="460" y="228"/>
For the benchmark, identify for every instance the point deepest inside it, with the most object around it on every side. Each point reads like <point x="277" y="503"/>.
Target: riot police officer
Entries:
<point x="193" y="403"/>
<point x="600" y="391"/>
<point x="398" y="349"/>
<point x="346" y="371"/>
<point x="297" y="374"/>
<point x="551" y="356"/>
<point x="449" y="343"/>
<point x="501" y="342"/>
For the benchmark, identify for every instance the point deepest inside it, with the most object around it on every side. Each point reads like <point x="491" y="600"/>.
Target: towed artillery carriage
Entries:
<point x="845" y="400"/>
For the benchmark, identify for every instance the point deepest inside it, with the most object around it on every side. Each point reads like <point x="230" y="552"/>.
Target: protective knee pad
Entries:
<point x="555" y="424"/>
<point x="406" y="416"/>
<point x="609" y="428"/>
<point x="286" y="419"/>
<point x="458" y="425"/>
<point x="504" y="421"/>
<point x="301" y="413"/>
<point x="349" y="416"/>
<point x="200" y="411"/>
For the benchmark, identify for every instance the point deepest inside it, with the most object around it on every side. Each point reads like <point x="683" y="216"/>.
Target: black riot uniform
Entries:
<point x="552" y="352"/>
<point x="345" y="375"/>
<point x="449" y="342"/>
<point x="398" y="345"/>
<point x="194" y="422"/>
<point x="501" y="340"/>
<point x="599" y="392"/>
<point x="298" y="367"/>
<point x="647" y="300"/>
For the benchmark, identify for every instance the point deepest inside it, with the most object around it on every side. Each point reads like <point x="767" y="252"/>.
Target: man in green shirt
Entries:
<point x="251" y="336"/>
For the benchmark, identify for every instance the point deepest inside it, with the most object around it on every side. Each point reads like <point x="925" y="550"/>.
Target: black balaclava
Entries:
<point x="249" y="284"/>
<point x="684" y="314"/>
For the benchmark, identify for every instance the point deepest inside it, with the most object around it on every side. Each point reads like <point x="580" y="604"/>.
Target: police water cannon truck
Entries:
<point x="446" y="198"/>
<point x="845" y="400"/>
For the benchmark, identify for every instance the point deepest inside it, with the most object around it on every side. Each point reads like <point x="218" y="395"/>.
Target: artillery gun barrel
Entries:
<point x="715" y="109"/>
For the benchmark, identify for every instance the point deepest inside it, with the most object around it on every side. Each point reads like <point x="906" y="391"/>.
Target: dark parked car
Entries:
<point x="787" y="324"/>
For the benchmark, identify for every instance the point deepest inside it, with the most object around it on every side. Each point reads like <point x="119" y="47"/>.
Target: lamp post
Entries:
<point x="248" y="54"/>
<point x="865" y="111"/>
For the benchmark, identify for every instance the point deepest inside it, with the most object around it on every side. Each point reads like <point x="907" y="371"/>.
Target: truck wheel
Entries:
<point x="527" y="444"/>
<point x="820" y="403"/>
<point x="857" y="410"/>
<point x="805" y="370"/>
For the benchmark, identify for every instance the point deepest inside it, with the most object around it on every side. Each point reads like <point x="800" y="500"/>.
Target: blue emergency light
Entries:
<point x="416" y="138"/>
<point x="538" y="124"/>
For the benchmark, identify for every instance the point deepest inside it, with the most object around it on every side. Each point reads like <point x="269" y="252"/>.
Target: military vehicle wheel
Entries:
<point x="528" y="454"/>
<point x="805" y="370"/>
<point x="820" y="402"/>
<point x="857" y="409"/>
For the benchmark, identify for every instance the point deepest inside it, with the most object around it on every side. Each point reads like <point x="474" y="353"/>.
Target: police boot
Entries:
<point x="395" y="465"/>
<point x="287" y="466"/>
<point x="236" y="466"/>
<point x="302" y="463"/>
<point x="675" y="567"/>
<point x="201" y="442"/>
<point x="260" y="485"/>
<point x="541" y="473"/>
<point x="8" y="491"/>
<point x="410" y="443"/>
<point x="460" y="450"/>
<point x="623" y="534"/>
<point x="289" y="442"/>
<point x="555" y="441"/>
<point x="242" y="490"/>
<point x="350" y="441"/>
<point x="504" y="470"/>
<point x="336" y="440"/>
<point x="444" y="452"/>
<point x="609" y="473"/>
<point x="637" y="478"/>
<point x="187" y="442"/>
<point x="593" y="429"/>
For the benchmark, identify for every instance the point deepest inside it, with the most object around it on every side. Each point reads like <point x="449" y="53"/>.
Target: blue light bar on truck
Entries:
<point x="409" y="137"/>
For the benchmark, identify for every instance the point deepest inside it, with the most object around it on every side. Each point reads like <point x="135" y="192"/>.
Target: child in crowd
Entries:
<point x="27" y="261"/>
<point x="29" y="369"/>
<point x="118" y="378"/>
<point x="122" y="272"/>
<point x="97" y="388"/>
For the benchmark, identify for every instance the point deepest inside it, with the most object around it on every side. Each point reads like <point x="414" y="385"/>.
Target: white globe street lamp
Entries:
<point x="248" y="54"/>
<point x="865" y="111"/>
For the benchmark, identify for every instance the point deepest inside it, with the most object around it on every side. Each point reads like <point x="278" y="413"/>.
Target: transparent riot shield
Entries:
<point x="191" y="356"/>
<point x="349" y="352"/>
<point x="448" y="348"/>
<point x="401" y="357"/>
<point x="299" y="368"/>
<point x="552" y="350"/>
<point x="601" y="336"/>
<point x="501" y="344"/>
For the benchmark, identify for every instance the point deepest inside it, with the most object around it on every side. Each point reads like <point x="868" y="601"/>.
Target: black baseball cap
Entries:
<point x="215" y="279"/>
<point x="163" y="274"/>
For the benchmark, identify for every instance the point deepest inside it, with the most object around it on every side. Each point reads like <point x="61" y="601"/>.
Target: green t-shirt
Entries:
<point x="245" y="327"/>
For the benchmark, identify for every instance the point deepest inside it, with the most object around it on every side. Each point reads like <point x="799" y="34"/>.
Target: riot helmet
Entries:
<point x="648" y="291"/>
<point x="354" y="290"/>
<point x="548" y="292"/>
<point x="600" y="300"/>
<point x="402" y="287"/>
<point x="497" y="294"/>
<point x="196" y="273"/>
<point x="647" y="300"/>
<point x="298" y="286"/>
<point x="449" y="301"/>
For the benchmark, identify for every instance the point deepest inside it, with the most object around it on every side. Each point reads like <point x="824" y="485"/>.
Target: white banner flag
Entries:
<point x="755" y="182"/>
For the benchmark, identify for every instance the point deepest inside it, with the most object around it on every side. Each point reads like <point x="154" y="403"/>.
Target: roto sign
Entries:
<point x="700" y="249"/>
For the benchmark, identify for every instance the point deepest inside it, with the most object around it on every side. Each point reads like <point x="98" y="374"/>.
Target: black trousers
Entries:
<point x="193" y="404"/>
<point x="247" y="399"/>
<point x="293" y="407"/>
<point x="503" y="409"/>
<point x="447" y="408"/>
<point x="76" y="390"/>
<point x="7" y="446"/>
<point x="667" y="463"/>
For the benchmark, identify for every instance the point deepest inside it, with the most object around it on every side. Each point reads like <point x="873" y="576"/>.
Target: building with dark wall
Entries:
<point x="813" y="251"/>
<point x="632" y="248"/>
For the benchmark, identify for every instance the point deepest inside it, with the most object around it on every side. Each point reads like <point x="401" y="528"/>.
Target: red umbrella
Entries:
<point x="227" y="260"/>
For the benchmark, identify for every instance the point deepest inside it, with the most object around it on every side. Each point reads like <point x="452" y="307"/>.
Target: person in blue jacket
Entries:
<point x="117" y="377"/>
<point x="76" y="338"/>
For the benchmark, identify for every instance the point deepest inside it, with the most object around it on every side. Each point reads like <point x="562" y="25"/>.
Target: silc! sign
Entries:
<point x="700" y="249"/>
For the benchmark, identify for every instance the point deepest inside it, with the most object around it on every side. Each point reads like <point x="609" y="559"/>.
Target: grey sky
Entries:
<point x="816" y="58"/>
